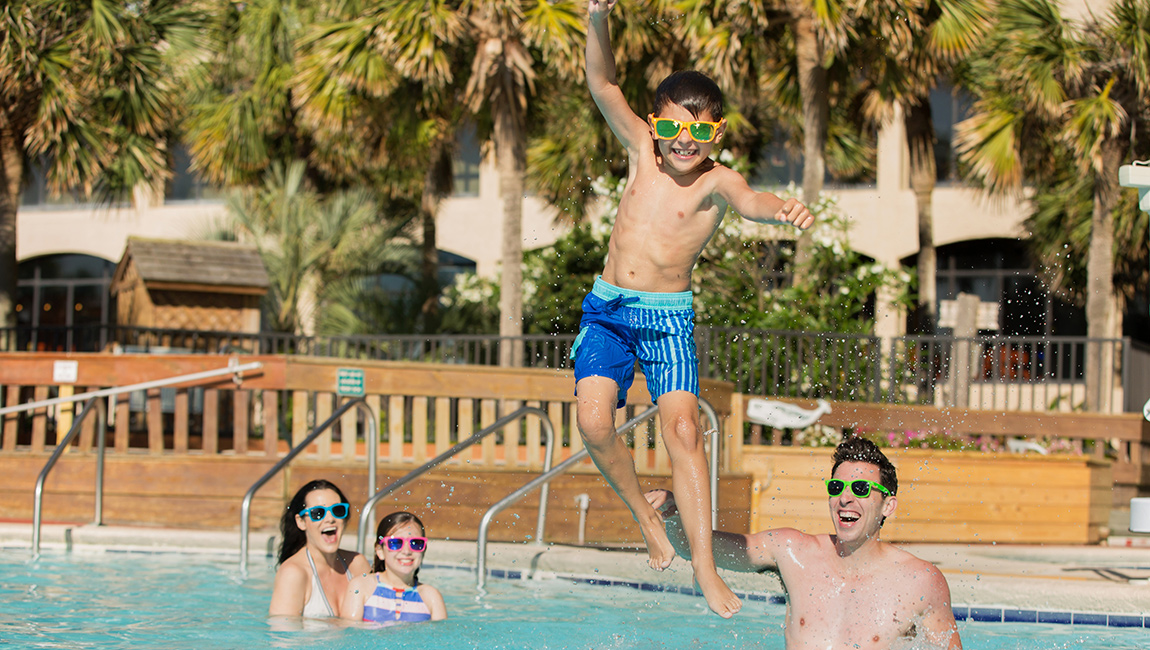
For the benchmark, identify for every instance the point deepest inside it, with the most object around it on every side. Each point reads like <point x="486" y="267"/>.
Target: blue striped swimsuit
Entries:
<point x="620" y="326"/>
<point x="389" y="605"/>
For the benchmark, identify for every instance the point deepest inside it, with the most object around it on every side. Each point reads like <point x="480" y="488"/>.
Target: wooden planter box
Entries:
<point x="945" y="496"/>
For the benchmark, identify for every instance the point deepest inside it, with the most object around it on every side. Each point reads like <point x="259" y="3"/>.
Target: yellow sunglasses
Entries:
<point x="669" y="129"/>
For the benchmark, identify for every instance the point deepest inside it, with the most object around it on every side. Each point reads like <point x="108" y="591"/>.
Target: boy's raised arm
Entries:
<point x="601" y="80"/>
<point x="762" y="207"/>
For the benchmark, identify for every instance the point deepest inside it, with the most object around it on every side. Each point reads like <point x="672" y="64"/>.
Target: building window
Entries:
<point x="466" y="163"/>
<point x="781" y="162"/>
<point x="948" y="107"/>
<point x="35" y="192"/>
<point x="1000" y="271"/>
<point x="62" y="303"/>
<point x="185" y="184"/>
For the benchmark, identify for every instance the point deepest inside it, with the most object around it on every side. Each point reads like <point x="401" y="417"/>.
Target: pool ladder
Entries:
<point x="548" y="429"/>
<point x="371" y="438"/>
<point x="545" y="478"/>
<point x="93" y="402"/>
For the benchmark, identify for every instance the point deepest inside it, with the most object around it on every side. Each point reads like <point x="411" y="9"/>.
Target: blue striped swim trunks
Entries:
<point x="620" y="326"/>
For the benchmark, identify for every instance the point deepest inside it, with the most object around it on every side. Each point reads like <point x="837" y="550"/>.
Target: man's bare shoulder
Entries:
<point x="779" y="538"/>
<point x="913" y="570"/>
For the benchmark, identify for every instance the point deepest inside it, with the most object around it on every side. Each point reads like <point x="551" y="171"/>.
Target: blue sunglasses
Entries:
<point x="317" y="513"/>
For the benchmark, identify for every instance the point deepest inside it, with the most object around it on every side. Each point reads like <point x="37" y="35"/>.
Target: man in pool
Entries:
<point x="849" y="589"/>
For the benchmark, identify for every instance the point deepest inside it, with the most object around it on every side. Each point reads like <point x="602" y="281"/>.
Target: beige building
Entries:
<point x="978" y="239"/>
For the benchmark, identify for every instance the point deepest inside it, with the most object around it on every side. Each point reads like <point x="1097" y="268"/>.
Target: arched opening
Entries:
<point x="62" y="303"/>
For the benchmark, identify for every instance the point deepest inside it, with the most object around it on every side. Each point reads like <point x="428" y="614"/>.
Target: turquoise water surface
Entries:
<point x="180" y="601"/>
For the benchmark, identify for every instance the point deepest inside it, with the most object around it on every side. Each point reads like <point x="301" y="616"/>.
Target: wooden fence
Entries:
<point x="422" y="409"/>
<point x="202" y="446"/>
<point x="1121" y="439"/>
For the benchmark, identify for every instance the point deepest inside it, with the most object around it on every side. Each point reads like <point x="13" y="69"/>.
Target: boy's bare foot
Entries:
<point x="719" y="596"/>
<point x="659" y="548"/>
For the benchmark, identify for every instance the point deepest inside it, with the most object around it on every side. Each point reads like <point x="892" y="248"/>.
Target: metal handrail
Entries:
<point x="371" y="438"/>
<point x="232" y="369"/>
<point x="548" y="429"/>
<point x="38" y="498"/>
<point x="94" y="396"/>
<point x="545" y="478"/>
<point x="709" y="411"/>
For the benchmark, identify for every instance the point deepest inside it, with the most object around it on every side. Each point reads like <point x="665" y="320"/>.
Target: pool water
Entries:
<point x="180" y="601"/>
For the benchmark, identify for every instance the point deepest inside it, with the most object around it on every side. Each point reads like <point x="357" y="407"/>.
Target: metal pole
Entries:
<point x="542" y="479"/>
<point x="231" y="369"/>
<point x="246" y="505"/>
<point x="709" y="411"/>
<point x="101" y="444"/>
<point x="371" y="439"/>
<point x="364" y="516"/>
<point x="38" y="493"/>
<point x="545" y="492"/>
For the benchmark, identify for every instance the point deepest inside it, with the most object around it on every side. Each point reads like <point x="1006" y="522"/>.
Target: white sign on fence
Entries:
<point x="987" y="314"/>
<point x="65" y="372"/>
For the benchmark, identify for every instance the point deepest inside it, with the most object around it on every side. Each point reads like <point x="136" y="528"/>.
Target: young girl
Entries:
<point x="393" y="594"/>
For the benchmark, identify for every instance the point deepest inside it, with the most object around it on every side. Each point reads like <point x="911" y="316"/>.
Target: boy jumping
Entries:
<point x="640" y="308"/>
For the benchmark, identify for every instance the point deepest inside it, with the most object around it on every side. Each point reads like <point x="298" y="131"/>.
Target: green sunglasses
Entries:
<point x="668" y="129"/>
<point x="859" y="488"/>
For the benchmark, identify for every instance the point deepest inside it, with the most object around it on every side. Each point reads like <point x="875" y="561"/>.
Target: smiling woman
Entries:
<point x="314" y="572"/>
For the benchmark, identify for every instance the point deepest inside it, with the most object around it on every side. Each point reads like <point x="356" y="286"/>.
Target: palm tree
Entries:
<point x="1043" y="85"/>
<point x="384" y="79"/>
<point x="313" y="245"/>
<point x="240" y="114"/>
<point x="514" y="41"/>
<point x="509" y="43"/>
<point x="793" y="62"/>
<point x="910" y="45"/>
<point x="89" y="90"/>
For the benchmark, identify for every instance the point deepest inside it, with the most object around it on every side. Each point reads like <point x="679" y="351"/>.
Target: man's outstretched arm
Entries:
<point x="734" y="552"/>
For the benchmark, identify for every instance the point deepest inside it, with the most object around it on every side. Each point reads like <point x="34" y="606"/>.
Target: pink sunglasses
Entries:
<point x="416" y="544"/>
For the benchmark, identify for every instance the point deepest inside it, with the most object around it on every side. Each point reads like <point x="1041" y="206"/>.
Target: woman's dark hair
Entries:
<point x="693" y="91"/>
<point x="293" y="538"/>
<point x="388" y="524"/>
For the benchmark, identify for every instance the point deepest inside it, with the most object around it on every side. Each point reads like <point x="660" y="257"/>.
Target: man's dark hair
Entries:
<point x="693" y="91"/>
<point x="861" y="450"/>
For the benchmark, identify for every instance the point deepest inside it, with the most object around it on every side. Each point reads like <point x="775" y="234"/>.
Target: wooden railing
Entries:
<point x="422" y="409"/>
<point x="1122" y="439"/>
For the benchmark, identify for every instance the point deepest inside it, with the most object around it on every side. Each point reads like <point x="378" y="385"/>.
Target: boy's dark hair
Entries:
<point x="693" y="91"/>
<point x="861" y="450"/>
<point x="293" y="538"/>
<point x="388" y="524"/>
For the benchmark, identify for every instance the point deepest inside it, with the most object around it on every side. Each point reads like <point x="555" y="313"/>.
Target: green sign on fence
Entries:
<point x="349" y="381"/>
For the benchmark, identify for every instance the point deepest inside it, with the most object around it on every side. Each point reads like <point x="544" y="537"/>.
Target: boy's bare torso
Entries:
<point x="831" y="604"/>
<point x="663" y="223"/>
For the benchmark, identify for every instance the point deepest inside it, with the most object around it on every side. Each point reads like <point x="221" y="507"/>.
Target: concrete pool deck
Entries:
<point x="984" y="579"/>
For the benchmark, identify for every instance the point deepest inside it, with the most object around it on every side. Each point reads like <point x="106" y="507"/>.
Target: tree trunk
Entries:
<point x="12" y="176"/>
<point x="923" y="176"/>
<point x="810" y="52"/>
<point x="436" y="185"/>
<point x="510" y="152"/>
<point x="1103" y="320"/>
